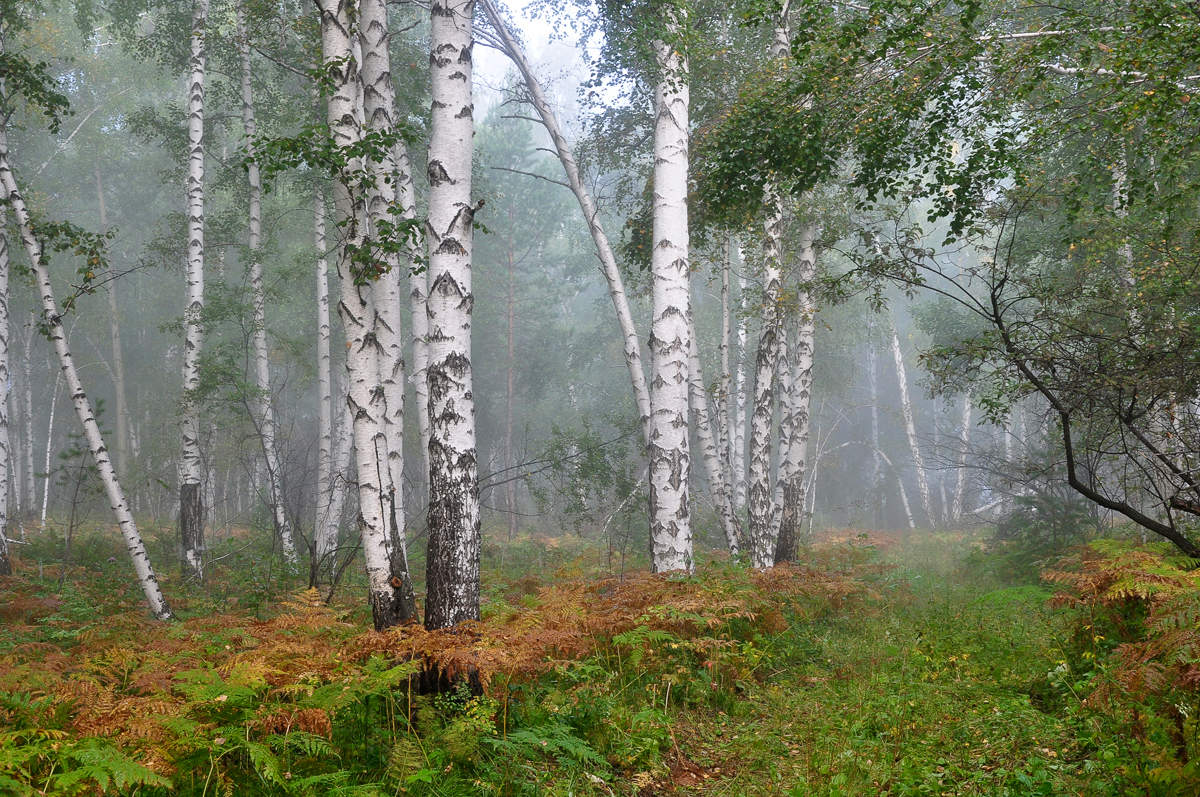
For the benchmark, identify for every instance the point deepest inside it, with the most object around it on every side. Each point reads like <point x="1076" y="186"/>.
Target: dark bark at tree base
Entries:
<point x="397" y="607"/>
<point x="433" y="680"/>
<point x="790" y="520"/>
<point x="5" y="565"/>
<point x="191" y="528"/>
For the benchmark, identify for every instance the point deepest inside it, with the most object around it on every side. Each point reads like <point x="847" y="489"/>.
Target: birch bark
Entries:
<point x="379" y="106"/>
<point x="262" y="403"/>
<point x="709" y="448"/>
<point x="30" y="486"/>
<point x="759" y="492"/>
<point x="670" y="460"/>
<point x="910" y="428"/>
<point x="591" y="215"/>
<point x="191" y="467"/>
<point x="737" y="436"/>
<point x="52" y="321"/>
<point x="5" y="384"/>
<point x="325" y="527"/>
<point x="452" y="575"/>
<point x="798" y="405"/>
<point x="386" y="590"/>
<point x="964" y="445"/>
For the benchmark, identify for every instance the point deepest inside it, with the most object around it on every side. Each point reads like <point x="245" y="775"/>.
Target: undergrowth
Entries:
<point x="881" y="666"/>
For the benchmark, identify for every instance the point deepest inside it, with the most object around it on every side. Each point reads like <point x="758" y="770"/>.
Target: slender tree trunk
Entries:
<point x="798" y="405"/>
<point x="30" y="485"/>
<point x="964" y="445"/>
<point x="49" y="448"/>
<point x="5" y="382"/>
<point x="591" y="215"/>
<point x="452" y="575"/>
<point x="191" y="466"/>
<point x="510" y="459"/>
<point x="724" y="379"/>
<point x="52" y="320"/>
<point x="670" y="460"/>
<point x="264" y="412"/>
<point x="910" y="428"/>
<point x="379" y="106"/>
<point x="737" y="437"/>
<point x="876" y="459"/>
<point x="118" y="355"/>
<point x="386" y="593"/>
<point x="709" y="449"/>
<point x="324" y="541"/>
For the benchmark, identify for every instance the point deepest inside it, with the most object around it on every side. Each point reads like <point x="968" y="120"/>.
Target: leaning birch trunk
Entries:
<point x="798" y="405"/>
<point x="591" y="215"/>
<point x="118" y="354"/>
<point x="670" y="460"/>
<point x="52" y="321"/>
<point x="379" y="107"/>
<point x="452" y="573"/>
<point x="324" y="541"/>
<point x="759" y="492"/>
<point x="964" y="444"/>
<point x="709" y="447"/>
<point x="385" y="592"/>
<point x="910" y="428"/>
<point x="191" y="466"/>
<point x="5" y="382"/>
<point x="873" y="388"/>
<point x="263" y="410"/>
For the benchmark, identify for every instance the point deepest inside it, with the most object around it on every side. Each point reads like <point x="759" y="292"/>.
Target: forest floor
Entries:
<point x="880" y="665"/>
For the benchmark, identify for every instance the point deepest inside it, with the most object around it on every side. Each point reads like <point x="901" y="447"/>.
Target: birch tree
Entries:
<point x="386" y="589"/>
<point x="591" y="215"/>
<point x="793" y="467"/>
<point x="51" y="320"/>
<point x="452" y="573"/>
<point x="264" y="412"/>
<point x="191" y="466"/>
<point x="5" y="382"/>
<point x="324" y="525"/>
<point x="379" y="106"/>
<point x="759" y="493"/>
<point x="964" y="447"/>
<point x="670" y="340"/>
<point x="910" y="428"/>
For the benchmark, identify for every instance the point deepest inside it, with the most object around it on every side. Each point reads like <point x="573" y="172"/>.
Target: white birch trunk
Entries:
<point x="379" y="106"/>
<point x="737" y="436"/>
<point x="964" y="445"/>
<point x="797" y="405"/>
<point x="263" y="410"/>
<point x="670" y="462"/>
<point x="52" y="319"/>
<point x="191" y="466"/>
<point x="49" y="447"/>
<point x="30" y="486"/>
<point x="5" y="391"/>
<point x="910" y="429"/>
<point x="591" y="215"/>
<point x="357" y="309"/>
<point x="759" y="492"/>
<point x="452" y="575"/>
<point x="724" y="379"/>
<point x="324" y="527"/>
<point x="708" y="446"/>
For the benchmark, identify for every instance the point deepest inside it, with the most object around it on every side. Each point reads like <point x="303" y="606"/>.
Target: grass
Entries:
<point x="907" y="667"/>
